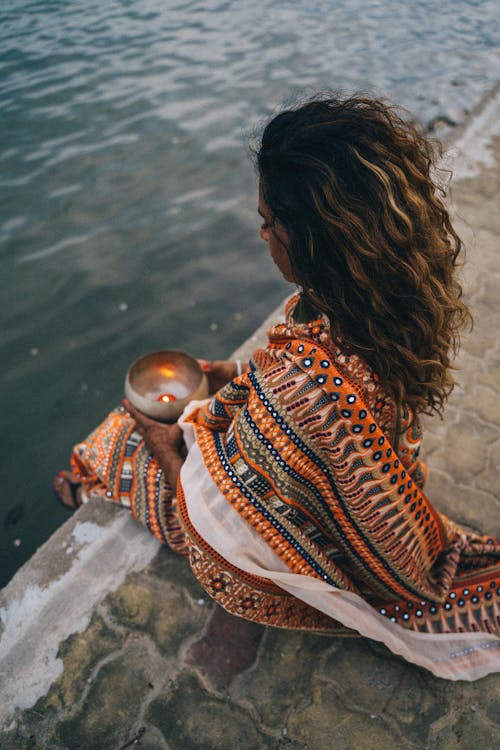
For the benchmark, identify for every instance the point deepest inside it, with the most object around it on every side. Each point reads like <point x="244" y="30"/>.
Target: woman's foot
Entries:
<point x="68" y="492"/>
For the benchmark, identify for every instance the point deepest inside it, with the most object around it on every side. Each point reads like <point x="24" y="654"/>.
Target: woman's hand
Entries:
<point x="219" y="372"/>
<point x="163" y="440"/>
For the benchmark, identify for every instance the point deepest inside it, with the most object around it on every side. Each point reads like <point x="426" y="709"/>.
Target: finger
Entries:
<point x="205" y="365"/>
<point x="127" y="405"/>
<point x="138" y="416"/>
<point x="134" y="413"/>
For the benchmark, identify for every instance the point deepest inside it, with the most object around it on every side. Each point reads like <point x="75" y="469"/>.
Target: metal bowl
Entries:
<point x="161" y="384"/>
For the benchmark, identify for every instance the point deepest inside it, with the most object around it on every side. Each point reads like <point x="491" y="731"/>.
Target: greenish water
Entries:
<point x="128" y="209"/>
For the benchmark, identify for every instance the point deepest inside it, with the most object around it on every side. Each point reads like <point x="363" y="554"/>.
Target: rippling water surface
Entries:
<point x="128" y="217"/>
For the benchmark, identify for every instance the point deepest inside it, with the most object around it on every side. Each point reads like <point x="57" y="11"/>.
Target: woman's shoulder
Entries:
<point x="309" y="379"/>
<point x="326" y="361"/>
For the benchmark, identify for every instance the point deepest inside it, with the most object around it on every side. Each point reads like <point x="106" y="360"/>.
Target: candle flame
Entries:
<point x="167" y="372"/>
<point x="166" y="398"/>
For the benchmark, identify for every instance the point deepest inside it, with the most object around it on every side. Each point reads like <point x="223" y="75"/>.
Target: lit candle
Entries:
<point x="166" y="398"/>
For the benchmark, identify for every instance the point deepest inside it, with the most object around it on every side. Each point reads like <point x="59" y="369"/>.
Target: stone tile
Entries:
<point x="492" y="710"/>
<point x="466" y="505"/>
<point x="469" y="731"/>
<point x="286" y="663"/>
<point x="159" y="607"/>
<point x="81" y="653"/>
<point x="228" y="647"/>
<point x="488" y="480"/>
<point x="484" y="694"/>
<point x="475" y="435"/>
<point x="484" y="402"/>
<point x="325" y="722"/>
<point x="176" y="618"/>
<point x="191" y="719"/>
<point x="16" y="740"/>
<point x="152" y="739"/>
<point x="489" y="377"/>
<point x="132" y="605"/>
<point x="107" y="716"/>
<point x="376" y="682"/>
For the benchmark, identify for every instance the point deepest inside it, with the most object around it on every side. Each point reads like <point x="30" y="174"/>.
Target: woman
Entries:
<point x="300" y="503"/>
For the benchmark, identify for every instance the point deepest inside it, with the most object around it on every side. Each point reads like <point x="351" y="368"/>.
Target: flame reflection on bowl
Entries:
<point x="166" y="398"/>
<point x="161" y="384"/>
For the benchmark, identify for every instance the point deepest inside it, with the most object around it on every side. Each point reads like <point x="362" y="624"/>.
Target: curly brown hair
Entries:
<point x="353" y="181"/>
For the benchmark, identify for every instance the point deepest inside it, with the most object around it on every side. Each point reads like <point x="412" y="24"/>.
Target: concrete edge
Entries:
<point x="468" y="149"/>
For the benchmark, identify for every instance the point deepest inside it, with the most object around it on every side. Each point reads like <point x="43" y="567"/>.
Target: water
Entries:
<point x="128" y="210"/>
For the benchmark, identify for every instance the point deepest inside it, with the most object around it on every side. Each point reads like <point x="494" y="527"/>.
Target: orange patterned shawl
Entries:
<point x="303" y="447"/>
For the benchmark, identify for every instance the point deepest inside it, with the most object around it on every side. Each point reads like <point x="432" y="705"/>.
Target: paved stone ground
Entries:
<point x="158" y="666"/>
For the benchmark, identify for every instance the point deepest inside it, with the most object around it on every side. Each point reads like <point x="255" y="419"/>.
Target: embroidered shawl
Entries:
<point x="301" y="447"/>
